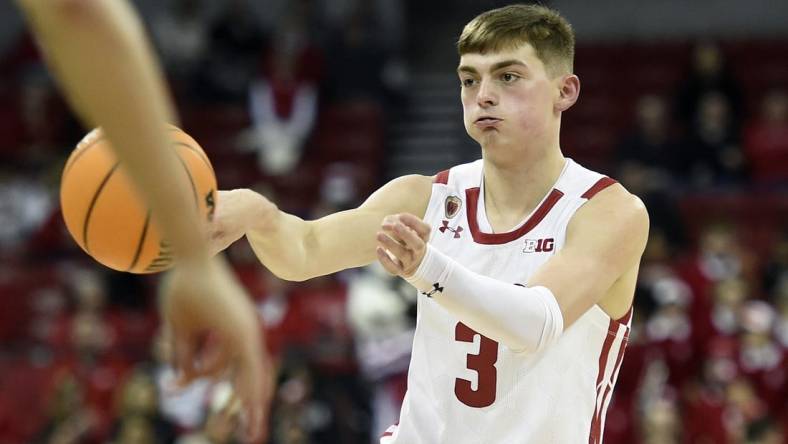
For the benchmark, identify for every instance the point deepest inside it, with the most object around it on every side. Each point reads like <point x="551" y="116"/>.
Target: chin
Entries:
<point x="491" y="139"/>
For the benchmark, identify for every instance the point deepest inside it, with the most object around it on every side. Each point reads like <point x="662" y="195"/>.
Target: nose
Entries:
<point x="487" y="95"/>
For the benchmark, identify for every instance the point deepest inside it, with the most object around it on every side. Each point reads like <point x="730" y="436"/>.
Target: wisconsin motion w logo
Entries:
<point x="539" y="245"/>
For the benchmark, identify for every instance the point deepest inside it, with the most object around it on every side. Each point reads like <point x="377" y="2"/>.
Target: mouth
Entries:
<point x="487" y="121"/>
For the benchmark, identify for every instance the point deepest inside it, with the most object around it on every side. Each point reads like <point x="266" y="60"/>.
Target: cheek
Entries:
<point x="467" y="109"/>
<point x="531" y="107"/>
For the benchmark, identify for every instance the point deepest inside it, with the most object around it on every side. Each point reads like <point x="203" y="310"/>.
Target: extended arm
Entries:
<point x="99" y="53"/>
<point x="101" y="57"/>
<point x="297" y="250"/>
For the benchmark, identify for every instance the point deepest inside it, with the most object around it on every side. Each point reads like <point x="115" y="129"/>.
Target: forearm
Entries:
<point x="524" y="319"/>
<point x="104" y="64"/>
<point x="297" y="250"/>
<point x="281" y="245"/>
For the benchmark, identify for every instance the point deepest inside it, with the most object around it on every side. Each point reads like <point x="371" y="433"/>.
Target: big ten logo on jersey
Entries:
<point x="539" y="245"/>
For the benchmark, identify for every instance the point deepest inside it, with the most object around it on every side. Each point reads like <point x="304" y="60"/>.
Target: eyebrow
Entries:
<point x="494" y="67"/>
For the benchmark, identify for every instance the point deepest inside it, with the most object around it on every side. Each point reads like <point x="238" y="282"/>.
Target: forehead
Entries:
<point x="482" y="62"/>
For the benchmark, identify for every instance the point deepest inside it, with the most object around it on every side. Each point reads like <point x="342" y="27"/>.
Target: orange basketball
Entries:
<point x="105" y="214"/>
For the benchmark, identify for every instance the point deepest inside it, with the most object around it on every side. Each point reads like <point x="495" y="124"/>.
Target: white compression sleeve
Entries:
<point x="522" y="318"/>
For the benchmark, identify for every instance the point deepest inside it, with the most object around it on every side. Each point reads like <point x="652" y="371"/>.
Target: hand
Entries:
<point x="237" y="211"/>
<point x="402" y="244"/>
<point x="202" y="299"/>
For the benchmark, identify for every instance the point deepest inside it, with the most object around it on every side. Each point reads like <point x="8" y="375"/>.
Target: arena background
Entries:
<point x="316" y="103"/>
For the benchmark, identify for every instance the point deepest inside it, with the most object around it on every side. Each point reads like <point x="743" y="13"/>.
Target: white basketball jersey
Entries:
<point x="464" y="388"/>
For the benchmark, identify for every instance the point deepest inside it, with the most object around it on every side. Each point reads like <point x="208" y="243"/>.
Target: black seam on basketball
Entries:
<point x="191" y="182"/>
<point x="93" y="203"/>
<point x="140" y="243"/>
<point x="68" y="166"/>
<point x="198" y="152"/>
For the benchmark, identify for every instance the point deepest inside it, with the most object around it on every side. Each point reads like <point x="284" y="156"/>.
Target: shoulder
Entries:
<point x="613" y="212"/>
<point x="405" y="194"/>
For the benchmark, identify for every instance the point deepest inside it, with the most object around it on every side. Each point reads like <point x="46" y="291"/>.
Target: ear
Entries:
<point x="568" y="92"/>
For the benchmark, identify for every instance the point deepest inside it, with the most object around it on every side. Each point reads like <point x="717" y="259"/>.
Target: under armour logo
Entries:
<point x="435" y="289"/>
<point x="446" y="226"/>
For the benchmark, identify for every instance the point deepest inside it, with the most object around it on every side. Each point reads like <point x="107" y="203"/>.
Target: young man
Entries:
<point x="525" y="261"/>
<point x="99" y="54"/>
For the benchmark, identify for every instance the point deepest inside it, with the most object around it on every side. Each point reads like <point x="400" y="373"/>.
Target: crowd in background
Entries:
<point x="297" y="108"/>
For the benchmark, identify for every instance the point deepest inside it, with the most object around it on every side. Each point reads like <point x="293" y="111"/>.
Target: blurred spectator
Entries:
<point x="713" y="153"/>
<point x="729" y="296"/>
<point x="780" y="301"/>
<point x="136" y="429"/>
<point x="669" y="329"/>
<point x="236" y="39"/>
<point x="138" y="417"/>
<point x="383" y="331"/>
<point x="765" y="431"/>
<point x="69" y="419"/>
<point x="25" y="203"/>
<point x="706" y="418"/>
<point x="720" y="256"/>
<point x="709" y="73"/>
<point x="762" y="359"/>
<point x="357" y="71"/>
<point x="20" y="59"/>
<point x="181" y="36"/>
<point x="184" y="407"/>
<point x="222" y="421"/>
<point x="283" y="100"/>
<point x="661" y="423"/>
<point x="775" y="273"/>
<point x="766" y="140"/>
<point x="649" y="156"/>
<point x="297" y="415"/>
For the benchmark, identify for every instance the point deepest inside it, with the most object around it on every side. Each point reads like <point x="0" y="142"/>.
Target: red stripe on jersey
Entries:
<point x="390" y="431"/>
<point x="600" y="185"/>
<point x="624" y="320"/>
<point x="609" y="388"/>
<point x="442" y="177"/>
<point x="595" y="432"/>
<point x="472" y="197"/>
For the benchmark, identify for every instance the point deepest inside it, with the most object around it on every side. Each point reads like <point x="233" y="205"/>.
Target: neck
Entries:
<point x="512" y="189"/>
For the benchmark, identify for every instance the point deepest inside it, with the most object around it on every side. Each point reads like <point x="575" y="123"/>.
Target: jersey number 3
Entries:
<point x="483" y="364"/>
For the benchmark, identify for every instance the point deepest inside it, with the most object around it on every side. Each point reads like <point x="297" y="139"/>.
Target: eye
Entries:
<point x="467" y="83"/>
<point x="509" y="77"/>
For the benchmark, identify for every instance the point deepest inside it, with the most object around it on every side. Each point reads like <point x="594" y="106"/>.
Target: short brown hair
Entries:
<point x="505" y="28"/>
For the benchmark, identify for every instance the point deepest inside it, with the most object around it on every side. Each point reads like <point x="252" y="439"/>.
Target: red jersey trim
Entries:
<point x="442" y="177"/>
<point x="595" y="434"/>
<point x="600" y="185"/>
<point x="623" y="320"/>
<point x="472" y="199"/>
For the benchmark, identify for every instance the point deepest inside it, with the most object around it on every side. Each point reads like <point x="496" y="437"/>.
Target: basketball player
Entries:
<point x="102" y="60"/>
<point x="525" y="261"/>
